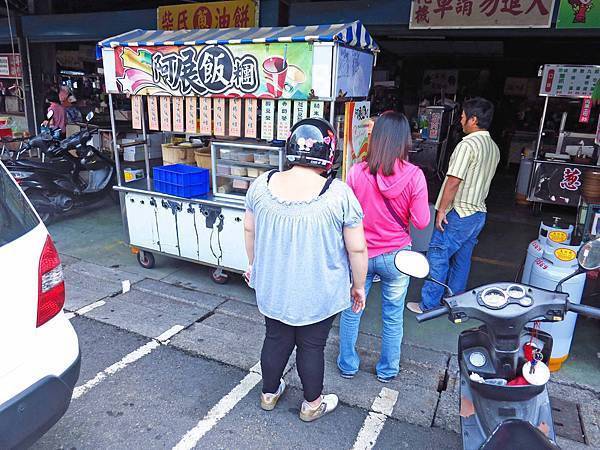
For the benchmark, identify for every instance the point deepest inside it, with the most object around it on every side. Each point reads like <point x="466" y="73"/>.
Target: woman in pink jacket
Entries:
<point x="392" y="193"/>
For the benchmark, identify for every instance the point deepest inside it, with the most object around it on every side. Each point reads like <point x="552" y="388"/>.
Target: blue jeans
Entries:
<point x="393" y="287"/>
<point x="449" y="256"/>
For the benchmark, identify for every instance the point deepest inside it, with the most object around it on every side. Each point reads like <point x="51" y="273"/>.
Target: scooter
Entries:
<point x="64" y="181"/>
<point x="504" y="401"/>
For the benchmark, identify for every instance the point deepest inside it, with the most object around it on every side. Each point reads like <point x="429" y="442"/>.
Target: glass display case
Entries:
<point x="235" y="165"/>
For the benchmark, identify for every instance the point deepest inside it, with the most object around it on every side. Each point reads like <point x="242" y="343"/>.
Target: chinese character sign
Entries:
<point x="136" y="112"/>
<point x="481" y="13"/>
<point x="191" y="125"/>
<point x="219" y="116"/>
<point x="268" y="120"/>
<point x="227" y="14"/>
<point x="284" y="117"/>
<point x="10" y="65"/>
<point x="570" y="179"/>
<point x="356" y="133"/>
<point x="246" y="70"/>
<point x="178" y="115"/>
<point x="250" y="117"/>
<point x="153" y="121"/>
<point x="569" y="81"/>
<point x="235" y="117"/>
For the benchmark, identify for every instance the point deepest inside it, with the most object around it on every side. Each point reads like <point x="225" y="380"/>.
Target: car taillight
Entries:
<point x="51" y="285"/>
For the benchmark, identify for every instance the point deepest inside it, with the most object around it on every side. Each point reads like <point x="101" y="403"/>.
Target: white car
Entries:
<point x="39" y="350"/>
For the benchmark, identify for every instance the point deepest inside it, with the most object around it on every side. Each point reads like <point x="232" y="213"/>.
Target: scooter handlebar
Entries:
<point x="585" y="310"/>
<point x="432" y="314"/>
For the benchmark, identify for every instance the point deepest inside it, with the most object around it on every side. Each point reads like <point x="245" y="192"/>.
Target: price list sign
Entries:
<point x="165" y="113"/>
<point x="300" y="111"/>
<point x="268" y="119"/>
<point x="569" y="81"/>
<point x="235" y="117"/>
<point x="136" y="112"/>
<point x="153" y="122"/>
<point x="205" y="116"/>
<point x="219" y="116"/>
<point x="190" y="115"/>
<point x="178" y="114"/>
<point x="250" y="117"/>
<point x="284" y="115"/>
<point x="317" y="109"/>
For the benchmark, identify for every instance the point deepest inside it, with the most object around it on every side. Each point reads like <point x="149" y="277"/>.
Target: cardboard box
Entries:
<point x="132" y="154"/>
<point x="130" y="174"/>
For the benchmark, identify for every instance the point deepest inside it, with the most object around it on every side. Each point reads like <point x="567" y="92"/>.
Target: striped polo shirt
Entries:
<point x="474" y="161"/>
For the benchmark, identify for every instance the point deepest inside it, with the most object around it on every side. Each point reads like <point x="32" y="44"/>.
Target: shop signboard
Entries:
<point x="193" y="16"/>
<point x="356" y="133"/>
<point x="578" y="14"/>
<point x="10" y="65"/>
<point x="354" y="72"/>
<point x="426" y="14"/>
<point x="557" y="183"/>
<point x="569" y="81"/>
<point x="277" y="70"/>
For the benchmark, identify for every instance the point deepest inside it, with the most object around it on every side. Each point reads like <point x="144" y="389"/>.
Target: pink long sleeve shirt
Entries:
<point x="406" y="190"/>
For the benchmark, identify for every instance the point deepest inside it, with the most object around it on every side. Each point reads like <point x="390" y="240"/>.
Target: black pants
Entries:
<point x="309" y="340"/>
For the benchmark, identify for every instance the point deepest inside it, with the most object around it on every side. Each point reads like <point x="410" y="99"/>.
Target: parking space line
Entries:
<point x="132" y="357"/>
<point x="85" y="309"/>
<point x="380" y="410"/>
<point x="220" y="410"/>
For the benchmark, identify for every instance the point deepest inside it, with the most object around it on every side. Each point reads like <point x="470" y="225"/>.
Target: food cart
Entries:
<point x="564" y="157"/>
<point x="243" y="89"/>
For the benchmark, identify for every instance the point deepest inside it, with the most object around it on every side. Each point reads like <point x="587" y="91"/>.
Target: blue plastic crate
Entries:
<point x="181" y="180"/>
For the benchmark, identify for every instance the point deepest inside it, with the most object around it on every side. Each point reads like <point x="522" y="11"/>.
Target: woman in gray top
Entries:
<point x="308" y="261"/>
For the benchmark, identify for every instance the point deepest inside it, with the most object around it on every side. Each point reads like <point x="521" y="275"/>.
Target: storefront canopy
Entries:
<point x="352" y="34"/>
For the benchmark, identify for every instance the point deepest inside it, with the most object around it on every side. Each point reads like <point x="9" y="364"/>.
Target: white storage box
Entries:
<point x="132" y="154"/>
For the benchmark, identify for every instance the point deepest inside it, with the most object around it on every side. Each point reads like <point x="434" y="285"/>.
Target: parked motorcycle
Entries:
<point x="504" y="401"/>
<point x="74" y="174"/>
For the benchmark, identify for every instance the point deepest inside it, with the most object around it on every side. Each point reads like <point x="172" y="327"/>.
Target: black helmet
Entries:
<point x="312" y="142"/>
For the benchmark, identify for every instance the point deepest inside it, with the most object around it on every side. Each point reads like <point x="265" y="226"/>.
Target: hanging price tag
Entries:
<point x="268" y="119"/>
<point x="178" y="114"/>
<point x="205" y="116"/>
<point x="300" y="111"/>
<point x="165" y="113"/>
<point x="284" y="112"/>
<point x="235" y="117"/>
<point x="317" y="109"/>
<point x="219" y="116"/>
<point x="191" y="113"/>
<point x="153" y="122"/>
<point x="250" y="113"/>
<point x="136" y="112"/>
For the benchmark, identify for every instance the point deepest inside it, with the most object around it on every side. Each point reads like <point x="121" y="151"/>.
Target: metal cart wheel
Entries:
<point x="146" y="259"/>
<point x="218" y="276"/>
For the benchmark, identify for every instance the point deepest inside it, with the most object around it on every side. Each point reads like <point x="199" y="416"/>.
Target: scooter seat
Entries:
<point x="515" y="433"/>
<point x="58" y="165"/>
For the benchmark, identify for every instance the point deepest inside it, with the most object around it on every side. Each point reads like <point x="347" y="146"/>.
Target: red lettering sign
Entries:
<point x="586" y="110"/>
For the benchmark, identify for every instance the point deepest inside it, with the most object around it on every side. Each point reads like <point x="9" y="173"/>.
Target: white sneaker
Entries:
<point x="328" y="403"/>
<point x="268" y="401"/>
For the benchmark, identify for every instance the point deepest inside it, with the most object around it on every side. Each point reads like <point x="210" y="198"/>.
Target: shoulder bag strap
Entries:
<point x="391" y="209"/>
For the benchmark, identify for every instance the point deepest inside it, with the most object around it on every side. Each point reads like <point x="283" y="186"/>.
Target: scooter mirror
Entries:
<point x="411" y="263"/>
<point x="89" y="116"/>
<point x="49" y="114"/>
<point x="589" y="255"/>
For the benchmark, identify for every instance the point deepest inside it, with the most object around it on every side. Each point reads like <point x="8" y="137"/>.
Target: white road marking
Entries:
<point x="85" y="309"/>
<point x="132" y="357"/>
<point x="220" y="410"/>
<point x="126" y="285"/>
<point x="380" y="410"/>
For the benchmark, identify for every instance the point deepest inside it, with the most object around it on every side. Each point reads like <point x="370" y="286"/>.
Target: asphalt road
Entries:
<point x="154" y="400"/>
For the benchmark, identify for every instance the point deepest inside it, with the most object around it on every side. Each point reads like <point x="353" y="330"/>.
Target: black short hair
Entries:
<point x="52" y="97"/>
<point x="482" y="109"/>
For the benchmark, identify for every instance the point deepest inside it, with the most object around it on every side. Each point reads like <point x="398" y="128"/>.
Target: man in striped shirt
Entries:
<point x="460" y="206"/>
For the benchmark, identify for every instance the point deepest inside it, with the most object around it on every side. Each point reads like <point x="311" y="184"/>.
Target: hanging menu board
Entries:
<point x="153" y="122"/>
<point x="317" y="109"/>
<point x="190" y="115"/>
<point x="284" y="115"/>
<point x="300" y="111"/>
<point x="235" y="117"/>
<point x="178" y="114"/>
<point x="219" y="116"/>
<point x="569" y="81"/>
<point x="165" y="113"/>
<point x="205" y="116"/>
<point x="136" y="112"/>
<point x="250" y="113"/>
<point x="267" y="120"/>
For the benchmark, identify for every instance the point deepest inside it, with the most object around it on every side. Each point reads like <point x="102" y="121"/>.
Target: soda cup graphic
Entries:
<point x="275" y="70"/>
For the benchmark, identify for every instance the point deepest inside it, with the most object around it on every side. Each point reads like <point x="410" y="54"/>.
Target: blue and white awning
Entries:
<point x="353" y="34"/>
